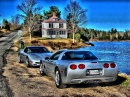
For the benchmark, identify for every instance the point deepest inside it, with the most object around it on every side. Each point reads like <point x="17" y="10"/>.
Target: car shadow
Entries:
<point x="119" y="80"/>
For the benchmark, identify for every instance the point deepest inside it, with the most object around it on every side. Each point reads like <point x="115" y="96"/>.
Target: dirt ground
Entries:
<point x="27" y="82"/>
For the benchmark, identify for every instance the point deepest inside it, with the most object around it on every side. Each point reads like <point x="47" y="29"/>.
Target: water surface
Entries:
<point x="115" y="51"/>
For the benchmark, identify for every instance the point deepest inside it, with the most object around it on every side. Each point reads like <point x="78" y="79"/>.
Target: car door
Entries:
<point x="24" y="55"/>
<point x="51" y="64"/>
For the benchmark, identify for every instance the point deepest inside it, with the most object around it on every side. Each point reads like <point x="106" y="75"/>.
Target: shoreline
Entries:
<point x="110" y="41"/>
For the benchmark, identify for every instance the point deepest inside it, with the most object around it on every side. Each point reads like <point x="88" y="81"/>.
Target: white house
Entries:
<point x="54" y="27"/>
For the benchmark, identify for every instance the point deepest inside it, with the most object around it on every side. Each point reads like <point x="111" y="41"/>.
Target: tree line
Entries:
<point x="13" y="25"/>
<point x="84" y="34"/>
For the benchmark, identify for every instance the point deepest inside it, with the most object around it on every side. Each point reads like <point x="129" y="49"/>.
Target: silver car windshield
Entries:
<point x="38" y="50"/>
<point x="79" y="55"/>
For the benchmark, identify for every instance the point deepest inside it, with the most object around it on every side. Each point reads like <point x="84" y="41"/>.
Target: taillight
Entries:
<point x="106" y="65"/>
<point x="73" y="66"/>
<point x="81" y="66"/>
<point x="113" y="65"/>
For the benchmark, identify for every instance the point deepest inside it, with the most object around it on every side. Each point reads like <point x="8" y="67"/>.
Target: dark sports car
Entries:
<point x="74" y="67"/>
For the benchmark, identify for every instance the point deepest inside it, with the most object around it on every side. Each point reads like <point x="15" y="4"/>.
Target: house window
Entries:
<point x="53" y="32"/>
<point x="47" y="33"/>
<point x="60" y="33"/>
<point x="42" y="25"/>
<point x="63" y="32"/>
<point x="42" y="32"/>
<point x="56" y="19"/>
<point x="50" y="25"/>
<point x="60" y="25"/>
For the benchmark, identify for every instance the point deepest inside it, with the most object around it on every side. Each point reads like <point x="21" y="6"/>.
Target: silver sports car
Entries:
<point x="32" y="55"/>
<point x="74" y="67"/>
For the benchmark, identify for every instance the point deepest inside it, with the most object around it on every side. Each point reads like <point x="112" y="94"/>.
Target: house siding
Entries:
<point x="54" y="30"/>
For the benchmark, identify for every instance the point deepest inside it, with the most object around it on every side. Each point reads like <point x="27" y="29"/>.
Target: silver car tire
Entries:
<point x="41" y="69"/>
<point x="27" y="62"/>
<point x="19" y="59"/>
<point x="58" y="80"/>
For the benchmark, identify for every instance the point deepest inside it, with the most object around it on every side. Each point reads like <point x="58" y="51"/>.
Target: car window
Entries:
<point x="29" y="51"/>
<point x="38" y="50"/>
<point x="56" y="56"/>
<point x="25" y="50"/>
<point x="78" y="55"/>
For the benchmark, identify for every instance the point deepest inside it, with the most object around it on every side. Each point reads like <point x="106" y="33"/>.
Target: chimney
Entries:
<point x="53" y="14"/>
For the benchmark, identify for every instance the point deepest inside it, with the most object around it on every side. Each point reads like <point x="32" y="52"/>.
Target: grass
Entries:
<point x="125" y="81"/>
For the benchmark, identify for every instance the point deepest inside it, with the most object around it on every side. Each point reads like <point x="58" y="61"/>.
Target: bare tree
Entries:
<point x="15" y="21"/>
<point x="76" y="15"/>
<point x="29" y="9"/>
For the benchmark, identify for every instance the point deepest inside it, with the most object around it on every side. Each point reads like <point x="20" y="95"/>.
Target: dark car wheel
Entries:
<point x="41" y="68"/>
<point x="19" y="59"/>
<point x="58" y="80"/>
<point x="27" y="62"/>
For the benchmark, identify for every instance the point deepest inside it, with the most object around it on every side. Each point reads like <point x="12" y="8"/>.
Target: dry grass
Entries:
<point x="5" y="31"/>
<point x="52" y="44"/>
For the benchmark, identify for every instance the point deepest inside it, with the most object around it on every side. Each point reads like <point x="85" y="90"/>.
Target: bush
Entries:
<point x="77" y="36"/>
<point x="25" y="34"/>
<point x="71" y="35"/>
<point x="34" y="42"/>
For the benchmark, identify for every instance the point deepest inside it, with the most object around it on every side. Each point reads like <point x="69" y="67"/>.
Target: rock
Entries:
<point x="14" y="49"/>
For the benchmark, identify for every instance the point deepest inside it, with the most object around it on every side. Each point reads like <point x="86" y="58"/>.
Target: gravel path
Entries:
<point x="6" y="42"/>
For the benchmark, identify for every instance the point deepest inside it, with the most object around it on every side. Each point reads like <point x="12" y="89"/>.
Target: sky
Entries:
<point x="101" y="14"/>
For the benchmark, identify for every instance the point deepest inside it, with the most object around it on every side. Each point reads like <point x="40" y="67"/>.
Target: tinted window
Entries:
<point x="79" y="55"/>
<point x="56" y="55"/>
<point x="37" y="50"/>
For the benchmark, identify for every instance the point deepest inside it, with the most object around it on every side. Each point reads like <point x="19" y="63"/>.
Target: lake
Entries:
<point x="118" y="52"/>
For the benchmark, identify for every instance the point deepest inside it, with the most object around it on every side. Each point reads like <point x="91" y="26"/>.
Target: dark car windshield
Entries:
<point x="79" y="55"/>
<point x="38" y="50"/>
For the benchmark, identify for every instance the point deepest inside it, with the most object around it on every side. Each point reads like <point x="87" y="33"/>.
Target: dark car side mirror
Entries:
<point x="47" y="58"/>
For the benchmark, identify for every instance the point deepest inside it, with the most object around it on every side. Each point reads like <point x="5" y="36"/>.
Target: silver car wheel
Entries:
<point x="27" y="62"/>
<point x="41" y="69"/>
<point x="57" y="78"/>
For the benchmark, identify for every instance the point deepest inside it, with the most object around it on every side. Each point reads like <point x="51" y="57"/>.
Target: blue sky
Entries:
<point x="102" y="14"/>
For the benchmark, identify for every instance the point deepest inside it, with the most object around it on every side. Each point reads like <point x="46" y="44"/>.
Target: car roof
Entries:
<point x="66" y="50"/>
<point x="77" y="50"/>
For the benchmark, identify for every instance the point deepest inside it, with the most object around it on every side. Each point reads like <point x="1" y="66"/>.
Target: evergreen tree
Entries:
<point x="48" y="14"/>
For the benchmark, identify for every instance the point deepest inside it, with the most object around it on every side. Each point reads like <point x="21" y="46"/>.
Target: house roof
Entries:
<point x="54" y="19"/>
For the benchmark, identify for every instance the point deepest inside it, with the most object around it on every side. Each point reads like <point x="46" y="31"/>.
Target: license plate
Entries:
<point x="94" y="72"/>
